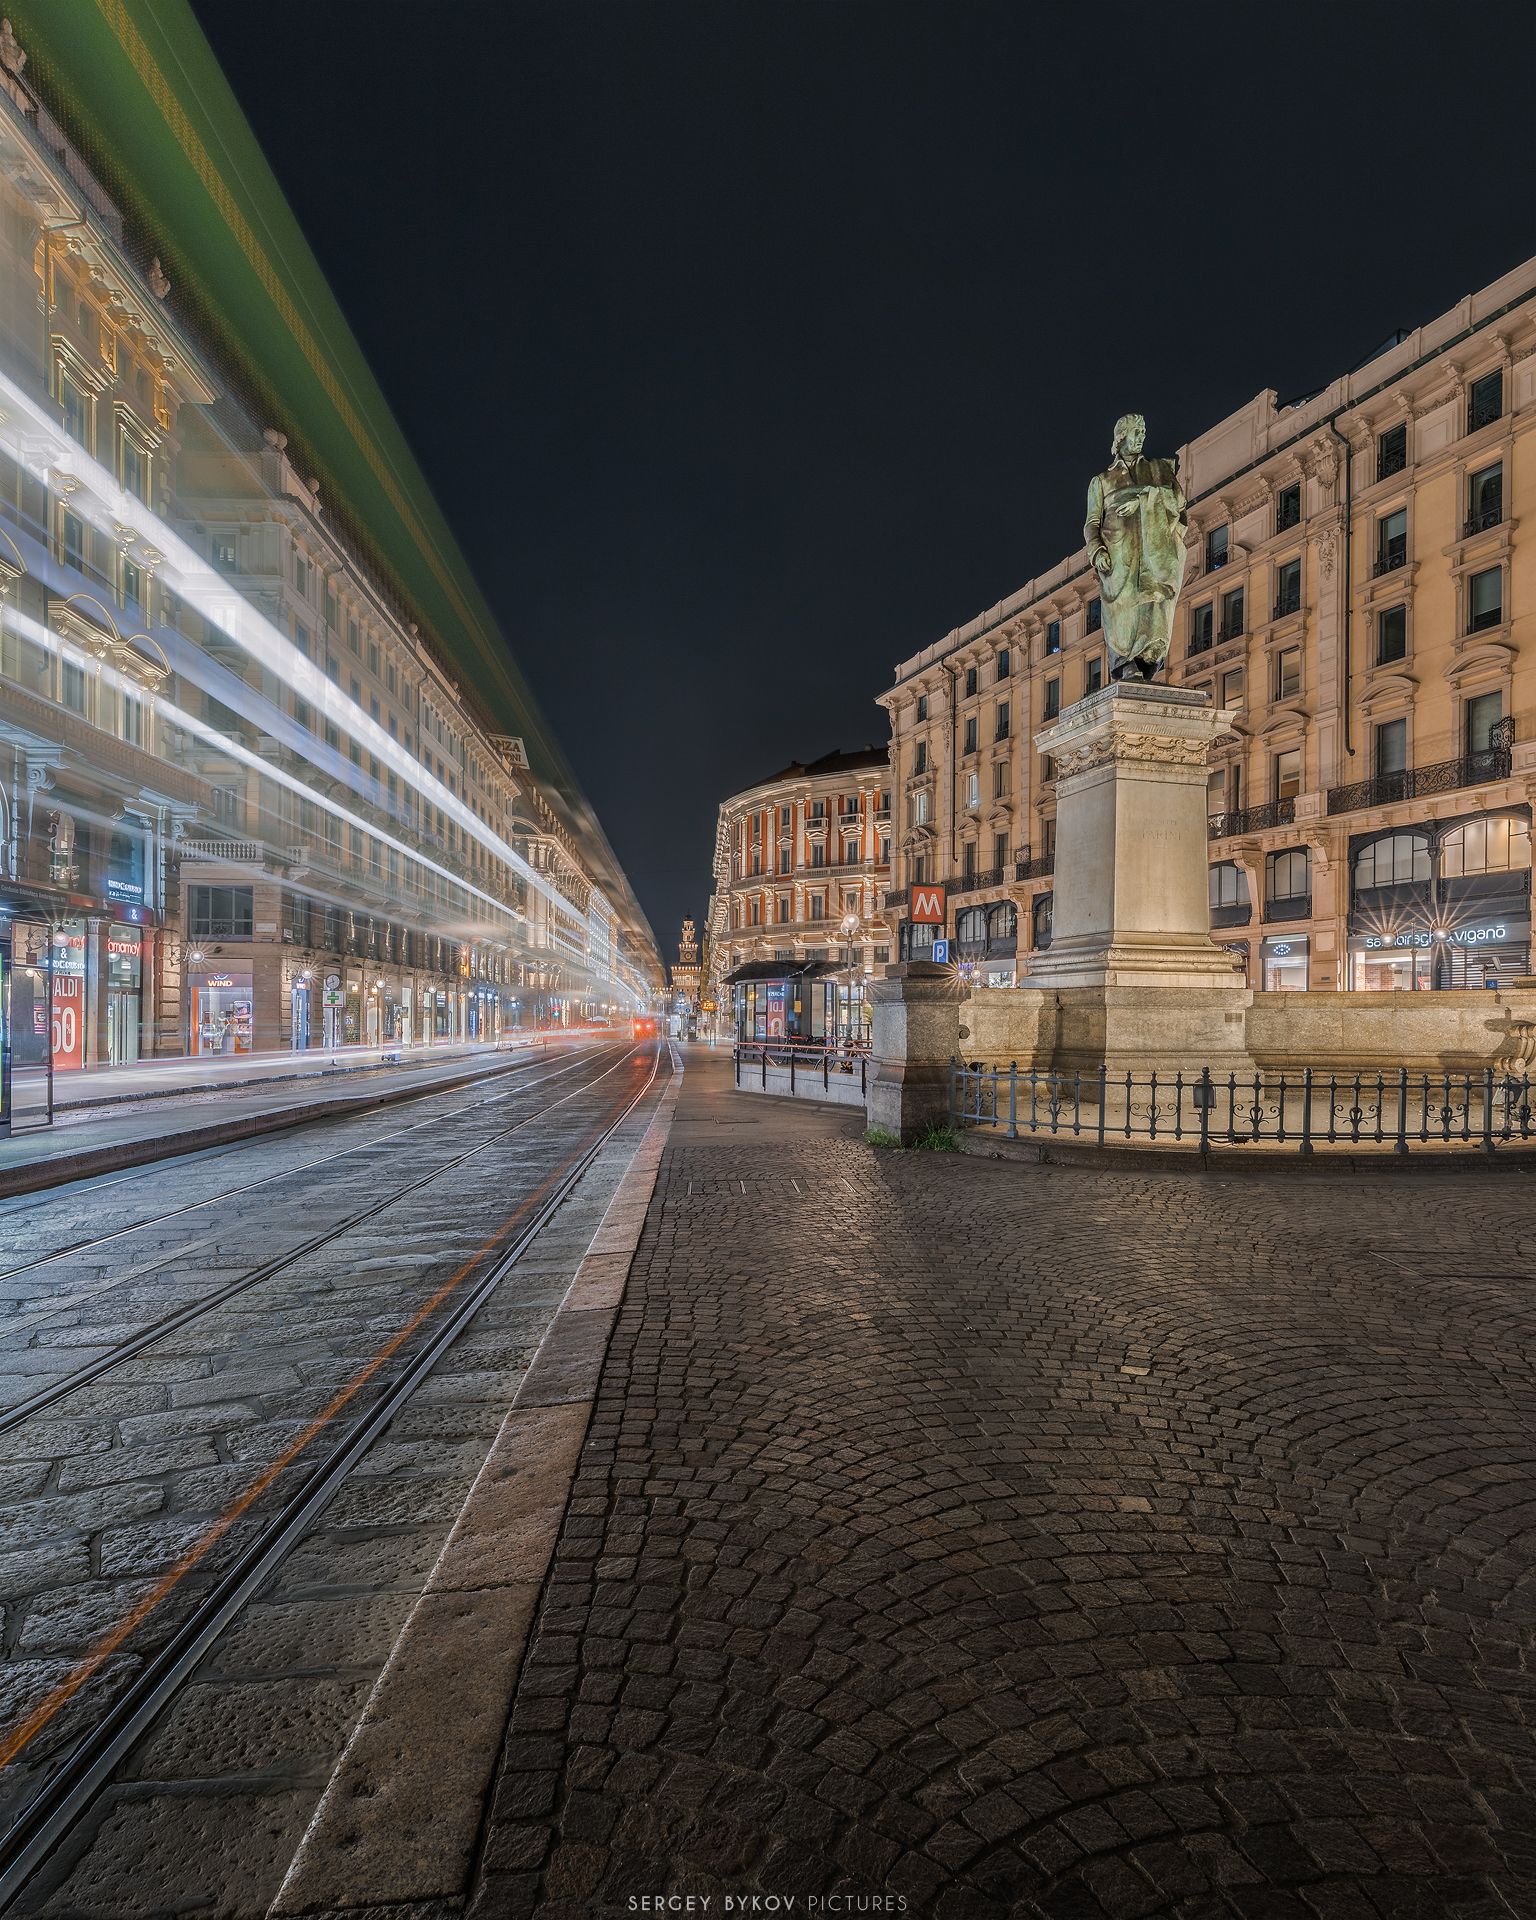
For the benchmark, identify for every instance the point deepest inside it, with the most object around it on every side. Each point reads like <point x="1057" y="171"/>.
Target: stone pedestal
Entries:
<point x="916" y="1034"/>
<point x="1139" y="981"/>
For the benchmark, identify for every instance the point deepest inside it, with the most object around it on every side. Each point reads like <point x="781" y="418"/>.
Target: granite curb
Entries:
<point x="397" y="1828"/>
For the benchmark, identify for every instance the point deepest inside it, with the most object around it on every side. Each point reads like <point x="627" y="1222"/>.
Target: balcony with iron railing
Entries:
<point x="1273" y="813"/>
<point x="1288" y="600"/>
<point x="1490" y="515"/>
<point x="1391" y="556"/>
<point x="1483" y="409"/>
<point x="1039" y="868"/>
<point x="1390" y="460"/>
<point x="1445" y="776"/>
<point x="1296" y="906"/>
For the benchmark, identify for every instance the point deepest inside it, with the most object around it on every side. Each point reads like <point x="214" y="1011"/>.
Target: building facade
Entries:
<point x="1361" y="596"/>
<point x="247" y="800"/>
<point x="802" y="862"/>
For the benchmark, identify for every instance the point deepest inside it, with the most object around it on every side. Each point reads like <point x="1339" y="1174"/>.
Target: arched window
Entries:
<point x="1394" y="860"/>
<point x="1040" y="920"/>
<point x="971" y="926"/>
<point x="1288" y="875"/>
<point x="1498" y="843"/>
<point x="1003" y="921"/>
<point x="1228" y="885"/>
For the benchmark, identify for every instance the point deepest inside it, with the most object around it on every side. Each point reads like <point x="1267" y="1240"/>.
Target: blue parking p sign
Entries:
<point x="941" y="953"/>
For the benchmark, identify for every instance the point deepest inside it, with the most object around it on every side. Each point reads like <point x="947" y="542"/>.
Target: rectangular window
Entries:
<point x="1002" y="721"/>
<point x="301" y="574"/>
<point x="922" y="706"/>
<point x="1232" y="621"/>
<point x="1392" y="451"/>
<point x="1485" y="599"/>
<point x="1390" y="750"/>
<point x="1052" y="698"/>
<point x="783" y="907"/>
<point x="1287" y="774"/>
<point x="1095" y="616"/>
<point x="1053" y="636"/>
<point x="1288" y="588"/>
<point x="77" y="412"/>
<point x="1216" y="548"/>
<point x="786" y="859"/>
<point x="301" y="638"/>
<point x="1485" y="498"/>
<point x="354" y="639"/>
<point x="920" y="757"/>
<point x="219" y="913"/>
<point x="1288" y="673"/>
<point x="1233" y="686"/>
<point x="999" y="779"/>
<point x="1004" y="663"/>
<point x="225" y="552"/>
<point x="999" y="851"/>
<point x="817" y="905"/>
<point x="1392" y="541"/>
<point x="1201" y="627"/>
<point x="1485" y="400"/>
<point x="72" y="539"/>
<point x="973" y="789"/>
<point x="971" y="731"/>
<point x="132" y="465"/>
<point x="1287" y="508"/>
<point x="920" y="809"/>
<point x="786" y="816"/>
<point x="1391" y="635"/>
<point x="971" y="678"/>
<point x="1484" y="711"/>
<point x="72" y="686"/>
<point x="1093" y="674"/>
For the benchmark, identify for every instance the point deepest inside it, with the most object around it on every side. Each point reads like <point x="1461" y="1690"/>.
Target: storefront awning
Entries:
<point x="780" y="970"/>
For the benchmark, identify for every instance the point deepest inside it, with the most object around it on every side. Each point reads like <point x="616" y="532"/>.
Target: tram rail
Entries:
<point x="73" y="1782"/>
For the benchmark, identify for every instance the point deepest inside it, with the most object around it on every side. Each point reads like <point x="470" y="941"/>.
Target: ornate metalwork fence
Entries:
<point x="1303" y="1111"/>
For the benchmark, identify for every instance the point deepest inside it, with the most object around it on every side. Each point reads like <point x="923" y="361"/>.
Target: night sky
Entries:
<point x="751" y="345"/>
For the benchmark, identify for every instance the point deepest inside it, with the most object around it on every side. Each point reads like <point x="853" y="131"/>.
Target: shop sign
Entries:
<point x="128" y="893"/>
<point x="67" y="1041"/>
<point x="127" y="946"/>
<point x="1458" y="936"/>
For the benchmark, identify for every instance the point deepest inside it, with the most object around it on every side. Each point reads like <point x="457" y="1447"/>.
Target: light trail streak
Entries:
<point x="27" y="432"/>
<point x="177" y="716"/>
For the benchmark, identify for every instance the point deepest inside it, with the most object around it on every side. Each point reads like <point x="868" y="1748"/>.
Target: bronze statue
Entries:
<point x="1137" y="519"/>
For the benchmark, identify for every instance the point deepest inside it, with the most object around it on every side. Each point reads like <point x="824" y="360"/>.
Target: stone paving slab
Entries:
<point x="972" y="1539"/>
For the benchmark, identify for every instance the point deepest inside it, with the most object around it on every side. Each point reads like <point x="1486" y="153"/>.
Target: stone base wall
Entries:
<point x="1460" y="1031"/>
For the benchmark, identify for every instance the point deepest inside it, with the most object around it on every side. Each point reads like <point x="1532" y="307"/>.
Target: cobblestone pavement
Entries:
<point x="1034" y="1541"/>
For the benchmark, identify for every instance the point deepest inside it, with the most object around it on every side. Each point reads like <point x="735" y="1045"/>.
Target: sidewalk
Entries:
<point x="975" y="1539"/>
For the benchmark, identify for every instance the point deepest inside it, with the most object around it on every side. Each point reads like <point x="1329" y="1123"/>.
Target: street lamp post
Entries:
<point x="849" y="929"/>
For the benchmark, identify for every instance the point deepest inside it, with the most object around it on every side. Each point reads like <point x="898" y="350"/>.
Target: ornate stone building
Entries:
<point x="249" y="798"/>
<point x="1361" y="595"/>
<point x="801" y="864"/>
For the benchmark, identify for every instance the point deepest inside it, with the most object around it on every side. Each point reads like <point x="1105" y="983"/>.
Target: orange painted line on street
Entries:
<point x="47" y="1708"/>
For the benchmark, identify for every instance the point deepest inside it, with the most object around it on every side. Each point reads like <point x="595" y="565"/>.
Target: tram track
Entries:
<point x="93" y="1370"/>
<point x="72" y="1783"/>
<point x="513" y="1071"/>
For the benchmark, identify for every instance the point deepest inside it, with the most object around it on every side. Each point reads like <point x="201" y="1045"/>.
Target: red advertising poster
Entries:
<point x="68" y="1021"/>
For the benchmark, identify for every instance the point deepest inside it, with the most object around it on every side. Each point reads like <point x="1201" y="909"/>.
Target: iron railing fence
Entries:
<point x="808" y="1065"/>
<point x="1307" y="1109"/>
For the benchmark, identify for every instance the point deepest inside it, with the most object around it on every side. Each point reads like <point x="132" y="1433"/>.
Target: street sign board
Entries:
<point x="941" y="953"/>
<point x="334" y="997"/>
<point x="928" y="906"/>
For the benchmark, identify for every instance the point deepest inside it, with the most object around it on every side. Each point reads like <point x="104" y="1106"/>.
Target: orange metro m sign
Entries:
<point x="928" y="906"/>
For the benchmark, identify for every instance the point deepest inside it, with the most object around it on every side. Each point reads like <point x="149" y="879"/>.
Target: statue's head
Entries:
<point x="1130" y="436"/>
